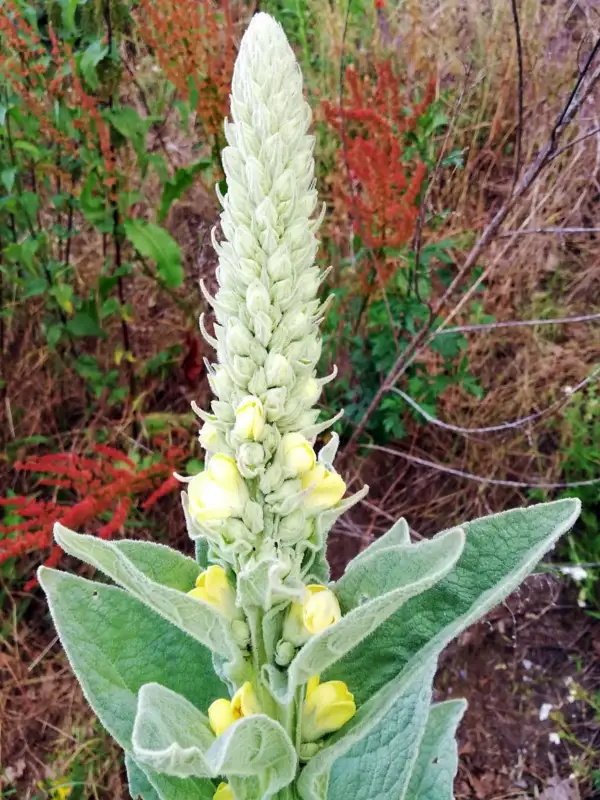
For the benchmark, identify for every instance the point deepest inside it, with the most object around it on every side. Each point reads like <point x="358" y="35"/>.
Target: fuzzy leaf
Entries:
<point x="398" y="534"/>
<point x="371" y="590"/>
<point x="139" y="785"/>
<point x="171" y="736"/>
<point x="379" y="766"/>
<point x="500" y="550"/>
<point x="115" y="644"/>
<point x="200" y="620"/>
<point x="433" y="774"/>
<point x="149" y="785"/>
<point x="161" y="563"/>
<point x="372" y="755"/>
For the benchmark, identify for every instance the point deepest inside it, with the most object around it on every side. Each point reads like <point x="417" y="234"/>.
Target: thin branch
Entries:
<point x="504" y="426"/>
<point x="480" y="478"/>
<point x="492" y="326"/>
<point x="554" y="230"/>
<point x="579" y="139"/>
<point x="418" y="232"/>
<point x="518" y="149"/>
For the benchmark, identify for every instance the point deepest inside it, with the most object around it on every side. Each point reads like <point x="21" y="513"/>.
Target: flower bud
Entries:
<point x="223" y="713"/>
<point x="327" y="707"/>
<point x="318" y="610"/>
<point x="321" y="609"/>
<point x="274" y="403"/>
<point x="217" y="493"/>
<point x="307" y="391"/>
<point x="210" y="437"/>
<point x="220" y="382"/>
<point x="257" y="385"/>
<point x="278" y="370"/>
<point x="238" y="337"/>
<point x="213" y="587"/>
<point x="298" y="455"/>
<point x="249" y="418"/>
<point x="224" y="792"/>
<point x="293" y="527"/>
<point x="250" y="459"/>
<point x="241" y="632"/>
<point x="326" y="488"/>
<point x="284" y="653"/>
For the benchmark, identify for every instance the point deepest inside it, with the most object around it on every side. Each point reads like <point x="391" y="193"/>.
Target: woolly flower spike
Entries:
<point x="266" y="308"/>
<point x="276" y="501"/>
<point x="328" y="707"/>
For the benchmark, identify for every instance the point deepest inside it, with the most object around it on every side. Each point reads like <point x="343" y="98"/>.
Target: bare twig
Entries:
<point x="515" y="13"/>
<point x="554" y="230"/>
<point x="503" y="426"/>
<point x="576" y="141"/>
<point x="492" y="326"/>
<point x="480" y="478"/>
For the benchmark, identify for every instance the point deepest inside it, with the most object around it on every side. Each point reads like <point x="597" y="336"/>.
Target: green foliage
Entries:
<point x="76" y="162"/>
<point x="579" y="431"/>
<point x="377" y="329"/>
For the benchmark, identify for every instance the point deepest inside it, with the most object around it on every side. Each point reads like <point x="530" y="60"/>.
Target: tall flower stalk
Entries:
<point x="246" y="674"/>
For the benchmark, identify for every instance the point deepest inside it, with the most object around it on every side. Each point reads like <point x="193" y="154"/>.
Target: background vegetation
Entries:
<point x="458" y="154"/>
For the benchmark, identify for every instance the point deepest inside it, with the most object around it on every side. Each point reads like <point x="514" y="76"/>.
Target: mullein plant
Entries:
<point x="245" y="673"/>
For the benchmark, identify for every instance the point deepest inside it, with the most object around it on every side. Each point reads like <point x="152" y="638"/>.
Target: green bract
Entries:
<point x="186" y="662"/>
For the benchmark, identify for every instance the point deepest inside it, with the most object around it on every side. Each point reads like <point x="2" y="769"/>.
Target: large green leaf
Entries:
<point x="500" y="550"/>
<point x="149" y="785"/>
<point x="157" y="244"/>
<point x="433" y="774"/>
<point x="371" y="757"/>
<point x="116" y="644"/>
<point x="370" y="591"/>
<point x="171" y="736"/>
<point x="193" y="616"/>
<point x="139" y="785"/>
<point x="379" y="766"/>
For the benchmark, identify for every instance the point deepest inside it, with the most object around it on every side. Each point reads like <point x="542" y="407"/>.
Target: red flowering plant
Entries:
<point x="194" y="44"/>
<point x="96" y="491"/>
<point x="378" y="184"/>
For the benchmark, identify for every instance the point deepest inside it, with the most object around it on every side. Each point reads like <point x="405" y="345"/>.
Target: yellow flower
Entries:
<point x="217" y="493"/>
<point x="214" y="588"/>
<point x="321" y="609"/>
<point x="298" y="455"/>
<point x="317" y="612"/>
<point x="249" y="418"/>
<point x="326" y="488"/>
<point x="60" y="789"/>
<point x="223" y="792"/>
<point x="220" y="715"/>
<point x="223" y="713"/>
<point x="327" y="707"/>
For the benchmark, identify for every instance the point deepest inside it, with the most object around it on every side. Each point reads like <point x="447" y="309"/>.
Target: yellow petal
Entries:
<point x="326" y="488"/>
<point x="298" y="454"/>
<point x="244" y="702"/>
<point x="223" y="792"/>
<point x="321" y="609"/>
<point x="220" y="716"/>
